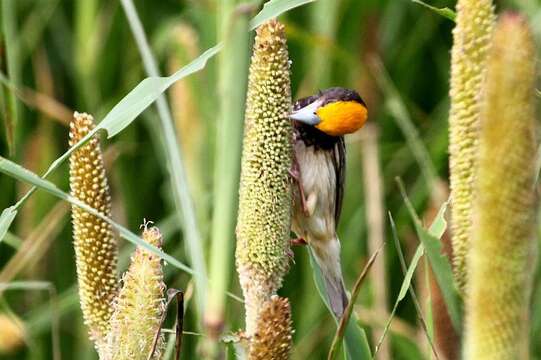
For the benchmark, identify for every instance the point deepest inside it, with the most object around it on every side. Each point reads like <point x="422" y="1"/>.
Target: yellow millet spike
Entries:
<point x="273" y="337"/>
<point x="94" y="241"/>
<point x="13" y="334"/>
<point x="474" y="24"/>
<point x="503" y="251"/>
<point x="264" y="217"/>
<point x="139" y="306"/>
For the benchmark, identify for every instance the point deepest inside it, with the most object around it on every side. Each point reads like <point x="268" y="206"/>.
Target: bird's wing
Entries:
<point x="339" y="163"/>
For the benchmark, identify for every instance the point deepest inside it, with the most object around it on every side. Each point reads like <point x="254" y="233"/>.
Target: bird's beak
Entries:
<point x="307" y="114"/>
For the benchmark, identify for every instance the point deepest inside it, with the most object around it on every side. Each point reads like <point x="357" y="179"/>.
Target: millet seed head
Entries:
<point x="273" y="337"/>
<point x="503" y="242"/>
<point x="471" y="41"/>
<point x="94" y="239"/>
<point x="139" y="306"/>
<point x="265" y="191"/>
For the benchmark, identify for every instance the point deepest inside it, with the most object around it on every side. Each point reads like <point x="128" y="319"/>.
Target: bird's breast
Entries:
<point x="318" y="179"/>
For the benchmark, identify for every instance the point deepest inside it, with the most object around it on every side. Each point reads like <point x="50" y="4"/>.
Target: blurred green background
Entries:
<point x="67" y="55"/>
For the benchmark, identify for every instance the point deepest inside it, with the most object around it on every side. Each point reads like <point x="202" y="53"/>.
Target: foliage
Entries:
<point x="81" y="55"/>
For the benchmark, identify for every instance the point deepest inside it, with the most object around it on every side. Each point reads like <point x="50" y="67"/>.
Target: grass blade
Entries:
<point x="233" y="75"/>
<point x="179" y="181"/>
<point x="18" y="172"/>
<point x="375" y="222"/>
<point x="131" y="106"/>
<point x="41" y="102"/>
<point x="37" y="242"/>
<point x="445" y="12"/>
<point x="439" y="262"/>
<point x="356" y="342"/>
<point x="274" y="8"/>
<point x="344" y="321"/>
<point x="12" y="240"/>
<point x="7" y="217"/>
<point x="12" y="57"/>
<point x="406" y="283"/>
<point x="412" y="292"/>
<point x="146" y="92"/>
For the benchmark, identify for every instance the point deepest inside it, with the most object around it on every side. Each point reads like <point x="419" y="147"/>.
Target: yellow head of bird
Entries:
<point x="335" y="111"/>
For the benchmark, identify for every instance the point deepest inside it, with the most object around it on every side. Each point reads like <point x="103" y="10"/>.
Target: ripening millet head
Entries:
<point x="503" y="243"/>
<point x="471" y="41"/>
<point x="264" y="217"/>
<point x="273" y="337"/>
<point x="94" y="241"/>
<point x="13" y="334"/>
<point x="139" y="306"/>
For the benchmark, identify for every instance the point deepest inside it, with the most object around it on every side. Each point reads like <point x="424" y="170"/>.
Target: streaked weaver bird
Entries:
<point x="319" y="165"/>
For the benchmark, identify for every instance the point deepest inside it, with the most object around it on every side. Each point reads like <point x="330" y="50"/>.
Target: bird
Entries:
<point x="320" y="122"/>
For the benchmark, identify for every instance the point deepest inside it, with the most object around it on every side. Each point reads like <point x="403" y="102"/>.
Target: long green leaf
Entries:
<point x="426" y="326"/>
<point x="26" y="285"/>
<point x="150" y="89"/>
<point x="122" y="114"/>
<point x="233" y="78"/>
<point x="11" y="49"/>
<point x="137" y="100"/>
<point x="274" y="8"/>
<point x="179" y="182"/>
<point x="355" y="339"/>
<point x="20" y="173"/>
<point x="346" y="317"/>
<point x="438" y="261"/>
<point x="445" y="12"/>
<point x="7" y="217"/>
<point x="406" y="283"/>
<point x="12" y="240"/>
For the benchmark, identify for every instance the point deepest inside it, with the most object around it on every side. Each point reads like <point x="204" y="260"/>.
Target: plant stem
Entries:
<point x="179" y="182"/>
<point x="233" y="70"/>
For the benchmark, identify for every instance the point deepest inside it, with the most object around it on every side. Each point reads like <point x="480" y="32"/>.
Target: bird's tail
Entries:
<point x="328" y="258"/>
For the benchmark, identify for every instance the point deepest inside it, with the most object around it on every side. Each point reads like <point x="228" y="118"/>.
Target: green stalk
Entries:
<point x="233" y="75"/>
<point x="323" y="22"/>
<point x="11" y="48"/>
<point x="86" y="30"/>
<point x="179" y="181"/>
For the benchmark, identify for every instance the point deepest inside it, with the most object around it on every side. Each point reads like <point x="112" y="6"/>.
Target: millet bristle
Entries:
<point x="139" y="306"/>
<point x="503" y="249"/>
<point x="94" y="240"/>
<point x="264" y="217"/>
<point x="474" y="23"/>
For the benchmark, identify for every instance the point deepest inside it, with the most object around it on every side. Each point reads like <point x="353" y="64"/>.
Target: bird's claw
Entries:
<point x="295" y="173"/>
<point x="298" y="242"/>
<point x="291" y="255"/>
<point x="295" y="242"/>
